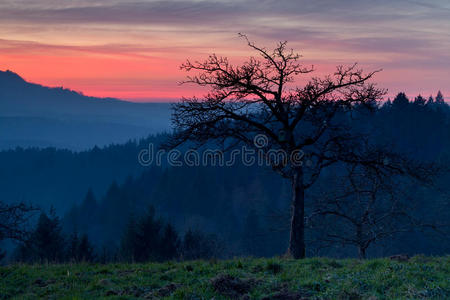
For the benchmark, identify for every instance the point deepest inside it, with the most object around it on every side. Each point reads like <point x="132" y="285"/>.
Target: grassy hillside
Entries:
<point x="316" y="278"/>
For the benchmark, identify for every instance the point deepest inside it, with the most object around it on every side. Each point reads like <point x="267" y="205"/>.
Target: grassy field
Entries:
<point x="316" y="278"/>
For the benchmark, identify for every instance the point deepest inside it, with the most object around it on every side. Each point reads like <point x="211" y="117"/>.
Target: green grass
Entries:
<point x="315" y="278"/>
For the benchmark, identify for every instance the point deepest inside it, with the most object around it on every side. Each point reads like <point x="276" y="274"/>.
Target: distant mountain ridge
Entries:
<point x="11" y="78"/>
<point x="36" y="115"/>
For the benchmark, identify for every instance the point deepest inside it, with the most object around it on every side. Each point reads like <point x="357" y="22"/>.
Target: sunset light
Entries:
<point x="133" y="50"/>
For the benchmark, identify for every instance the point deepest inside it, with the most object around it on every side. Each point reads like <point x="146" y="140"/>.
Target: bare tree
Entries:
<point x="358" y="208"/>
<point x="259" y="98"/>
<point x="14" y="221"/>
<point x="361" y="207"/>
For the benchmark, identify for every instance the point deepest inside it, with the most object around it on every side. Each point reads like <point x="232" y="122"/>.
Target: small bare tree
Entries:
<point x="14" y="221"/>
<point x="362" y="206"/>
<point x="258" y="98"/>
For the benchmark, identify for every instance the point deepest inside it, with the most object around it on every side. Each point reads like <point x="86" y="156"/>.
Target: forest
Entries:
<point x="102" y="205"/>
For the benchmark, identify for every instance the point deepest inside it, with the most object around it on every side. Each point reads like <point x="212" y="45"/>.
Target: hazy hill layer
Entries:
<point x="35" y="115"/>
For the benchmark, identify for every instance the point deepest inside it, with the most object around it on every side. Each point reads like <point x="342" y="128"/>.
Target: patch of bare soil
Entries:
<point x="232" y="287"/>
<point x="165" y="291"/>
<point x="400" y="257"/>
<point x="286" y="295"/>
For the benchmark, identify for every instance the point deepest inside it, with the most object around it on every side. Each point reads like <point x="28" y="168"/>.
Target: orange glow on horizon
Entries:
<point x="145" y="77"/>
<point x="133" y="50"/>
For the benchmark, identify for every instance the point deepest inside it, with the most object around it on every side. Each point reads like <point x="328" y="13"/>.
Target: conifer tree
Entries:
<point x="129" y="241"/>
<point x="170" y="243"/>
<point x="72" y="249"/>
<point x="47" y="242"/>
<point x="439" y="98"/>
<point x="419" y="100"/>
<point x="400" y="101"/>
<point x="148" y="237"/>
<point x="85" y="249"/>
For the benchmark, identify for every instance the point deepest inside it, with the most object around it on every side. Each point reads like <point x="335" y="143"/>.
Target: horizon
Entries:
<point x="388" y="96"/>
<point x="133" y="50"/>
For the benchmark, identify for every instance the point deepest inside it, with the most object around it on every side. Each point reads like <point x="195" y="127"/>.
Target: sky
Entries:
<point x="133" y="49"/>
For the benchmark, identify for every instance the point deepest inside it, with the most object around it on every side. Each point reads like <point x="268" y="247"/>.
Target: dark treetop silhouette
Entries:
<point x="256" y="98"/>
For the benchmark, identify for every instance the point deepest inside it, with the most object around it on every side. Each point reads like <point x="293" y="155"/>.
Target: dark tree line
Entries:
<point x="148" y="239"/>
<point x="47" y="243"/>
<point x="65" y="174"/>
<point x="80" y="249"/>
<point x="248" y="198"/>
<point x="204" y="202"/>
<point x="144" y="238"/>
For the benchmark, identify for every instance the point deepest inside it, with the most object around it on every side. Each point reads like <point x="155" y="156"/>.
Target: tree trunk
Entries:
<point x="361" y="247"/>
<point x="297" y="235"/>
<point x="361" y="252"/>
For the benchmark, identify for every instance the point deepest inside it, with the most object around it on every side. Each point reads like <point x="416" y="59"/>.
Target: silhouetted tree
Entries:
<point x="387" y="104"/>
<point x="129" y="242"/>
<point x="363" y="206"/>
<point x="85" y="250"/>
<point x="439" y="98"/>
<point x="14" y="222"/>
<point x="400" y="101"/>
<point x="46" y="243"/>
<point x="197" y="245"/>
<point x="72" y="247"/>
<point x="80" y="249"/>
<point x="89" y="208"/>
<point x="419" y="100"/>
<point x="148" y="237"/>
<point x="252" y="242"/>
<point x="170" y="243"/>
<point x="257" y="99"/>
